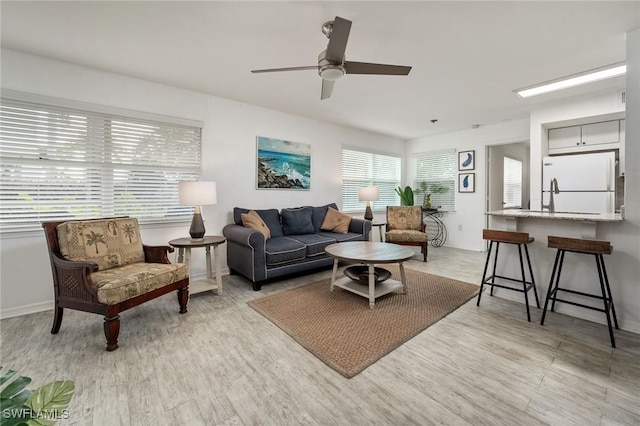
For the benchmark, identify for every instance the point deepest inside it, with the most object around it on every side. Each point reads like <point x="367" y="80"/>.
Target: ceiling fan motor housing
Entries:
<point x="329" y="70"/>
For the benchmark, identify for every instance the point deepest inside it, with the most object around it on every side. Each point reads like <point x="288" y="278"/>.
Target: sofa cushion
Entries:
<point x="315" y="243"/>
<point x="281" y="250"/>
<point x="110" y="243"/>
<point x="254" y="221"/>
<point x="318" y="215"/>
<point x="335" y="221"/>
<point x="271" y="218"/>
<point x="126" y="282"/>
<point x="297" y="221"/>
<point x="349" y="236"/>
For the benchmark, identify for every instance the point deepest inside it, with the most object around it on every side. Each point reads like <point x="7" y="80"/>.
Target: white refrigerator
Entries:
<point x="586" y="182"/>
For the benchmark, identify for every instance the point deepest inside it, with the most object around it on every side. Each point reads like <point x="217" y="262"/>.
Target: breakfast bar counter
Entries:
<point x="587" y="221"/>
<point x="579" y="269"/>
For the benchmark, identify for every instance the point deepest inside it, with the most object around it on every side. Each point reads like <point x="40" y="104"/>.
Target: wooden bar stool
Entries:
<point x="581" y="246"/>
<point x="508" y="237"/>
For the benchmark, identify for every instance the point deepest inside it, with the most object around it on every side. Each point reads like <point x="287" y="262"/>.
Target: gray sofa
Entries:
<point x="296" y="245"/>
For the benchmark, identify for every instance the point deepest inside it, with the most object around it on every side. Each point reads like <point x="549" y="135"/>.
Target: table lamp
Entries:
<point x="197" y="194"/>
<point x="368" y="194"/>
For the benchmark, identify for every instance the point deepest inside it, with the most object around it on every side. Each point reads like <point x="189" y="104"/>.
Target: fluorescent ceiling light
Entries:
<point x="590" y="76"/>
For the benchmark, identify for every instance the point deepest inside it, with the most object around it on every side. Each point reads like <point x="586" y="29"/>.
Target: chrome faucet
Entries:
<point x="553" y="189"/>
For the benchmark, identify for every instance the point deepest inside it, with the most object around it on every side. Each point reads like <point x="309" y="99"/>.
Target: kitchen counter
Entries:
<point x="544" y="214"/>
<point x="587" y="221"/>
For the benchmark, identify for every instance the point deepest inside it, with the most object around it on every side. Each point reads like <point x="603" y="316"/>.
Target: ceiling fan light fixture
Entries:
<point x="331" y="72"/>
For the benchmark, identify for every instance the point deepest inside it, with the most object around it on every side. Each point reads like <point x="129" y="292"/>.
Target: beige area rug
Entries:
<point x="339" y="328"/>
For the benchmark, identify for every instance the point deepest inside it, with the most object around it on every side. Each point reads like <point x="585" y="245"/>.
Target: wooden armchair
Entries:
<point x="405" y="226"/>
<point x="101" y="266"/>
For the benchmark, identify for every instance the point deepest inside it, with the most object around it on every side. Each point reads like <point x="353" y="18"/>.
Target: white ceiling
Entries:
<point x="467" y="57"/>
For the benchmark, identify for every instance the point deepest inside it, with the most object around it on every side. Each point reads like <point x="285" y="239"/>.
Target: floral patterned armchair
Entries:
<point x="405" y="226"/>
<point x="101" y="266"/>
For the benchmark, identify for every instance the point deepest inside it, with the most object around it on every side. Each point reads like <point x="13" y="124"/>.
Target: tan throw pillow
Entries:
<point x="254" y="221"/>
<point x="336" y="221"/>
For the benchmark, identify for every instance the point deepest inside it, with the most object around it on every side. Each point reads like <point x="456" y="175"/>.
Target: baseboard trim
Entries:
<point x="32" y="308"/>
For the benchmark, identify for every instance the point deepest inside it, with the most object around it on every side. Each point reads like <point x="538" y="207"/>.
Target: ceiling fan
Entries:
<point x="332" y="64"/>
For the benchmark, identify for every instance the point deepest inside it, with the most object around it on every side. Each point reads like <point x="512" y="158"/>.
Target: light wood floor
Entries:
<point x="224" y="364"/>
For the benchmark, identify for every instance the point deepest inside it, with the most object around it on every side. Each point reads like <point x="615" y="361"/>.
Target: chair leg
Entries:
<point x="605" y="299"/>
<point x="183" y="298"/>
<point x="533" y="281"/>
<point x="425" y="249"/>
<point x="484" y="274"/>
<point x="111" y="331"/>
<point x="606" y="282"/>
<point x="495" y="264"/>
<point x="524" y="283"/>
<point x="57" y="319"/>
<point x="550" y="289"/>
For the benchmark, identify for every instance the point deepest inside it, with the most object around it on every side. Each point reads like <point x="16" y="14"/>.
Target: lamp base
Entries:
<point x="197" y="227"/>
<point x="368" y="214"/>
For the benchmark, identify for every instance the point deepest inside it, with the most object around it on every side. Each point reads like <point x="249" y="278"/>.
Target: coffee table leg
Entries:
<point x="333" y="275"/>
<point x="403" y="278"/>
<point x="372" y="286"/>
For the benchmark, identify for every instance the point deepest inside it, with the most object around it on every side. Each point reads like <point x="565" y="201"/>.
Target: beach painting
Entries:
<point x="283" y="164"/>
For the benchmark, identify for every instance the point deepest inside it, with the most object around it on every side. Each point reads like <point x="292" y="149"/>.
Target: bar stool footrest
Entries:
<point x="529" y="285"/>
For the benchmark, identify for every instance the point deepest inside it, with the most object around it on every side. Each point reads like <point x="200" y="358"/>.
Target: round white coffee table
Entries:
<point x="370" y="254"/>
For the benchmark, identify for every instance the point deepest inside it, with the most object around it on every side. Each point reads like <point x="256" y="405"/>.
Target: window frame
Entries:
<point x="104" y="172"/>
<point x="504" y="182"/>
<point x="388" y="196"/>
<point x="450" y="180"/>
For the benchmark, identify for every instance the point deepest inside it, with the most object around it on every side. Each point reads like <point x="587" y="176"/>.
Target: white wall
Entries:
<point x="465" y="224"/>
<point x="229" y="158"/>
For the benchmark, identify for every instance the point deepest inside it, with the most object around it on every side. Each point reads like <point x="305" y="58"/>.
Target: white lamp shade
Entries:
<point x="369" y="193"/>
<point x="198" y="193"/>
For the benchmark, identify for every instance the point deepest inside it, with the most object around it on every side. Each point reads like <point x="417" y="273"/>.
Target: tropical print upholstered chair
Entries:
<point x="405" y="226"/>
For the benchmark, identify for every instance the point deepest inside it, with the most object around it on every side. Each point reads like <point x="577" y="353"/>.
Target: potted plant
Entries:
<point x="428" y="189"/>
<point x="406" y="195"/>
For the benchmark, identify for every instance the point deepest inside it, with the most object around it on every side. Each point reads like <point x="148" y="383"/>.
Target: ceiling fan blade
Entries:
<point x="369" y="68"/>
<point x="327" y="88"/>
<point x="338" y="40"/>
<point x="311" y="67"/>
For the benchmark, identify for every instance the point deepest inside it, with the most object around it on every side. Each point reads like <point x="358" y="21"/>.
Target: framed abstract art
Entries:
<point x="466" y="160"/>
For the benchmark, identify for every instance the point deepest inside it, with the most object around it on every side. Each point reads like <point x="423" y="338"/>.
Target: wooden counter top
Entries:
<point x="537" y="214"/>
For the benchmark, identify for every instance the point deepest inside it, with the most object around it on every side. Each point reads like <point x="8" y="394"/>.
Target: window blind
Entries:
<point x="63" y="163"/>
<point x="360" y="169"/>
<point x="436" y="173"/>
<point x="512" y="185"/>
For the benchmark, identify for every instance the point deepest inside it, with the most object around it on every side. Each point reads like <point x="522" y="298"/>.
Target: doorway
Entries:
<point x="497" y="187"/>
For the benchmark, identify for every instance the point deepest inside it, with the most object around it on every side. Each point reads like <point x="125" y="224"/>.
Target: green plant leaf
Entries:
<point x="14" y="401"/>
<point x="9" y="374"/>
<point x="17" y="420"/>
<point x="15" y="387"/>
<point x="52" y="398"/>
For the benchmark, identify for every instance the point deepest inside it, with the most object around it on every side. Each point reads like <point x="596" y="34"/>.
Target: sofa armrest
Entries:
<point x="246" y="252"/>
<point x="360" y="226"/>
<point x="70" y="273"/>
<point x="244" y="236"/>
<point x="157" y="254"/>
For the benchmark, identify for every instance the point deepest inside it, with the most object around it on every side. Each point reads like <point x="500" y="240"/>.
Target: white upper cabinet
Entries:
<point x="604" y="135"/>
<point x="601" y="133"/>
<point x="565" y="137"/>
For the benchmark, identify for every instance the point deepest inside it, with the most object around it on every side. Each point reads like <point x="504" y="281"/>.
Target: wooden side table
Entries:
<point x="379" y="225"/>
<point x="184" y="246"/>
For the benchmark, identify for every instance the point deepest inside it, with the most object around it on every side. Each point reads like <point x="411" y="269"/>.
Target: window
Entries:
<point x="512" y="185"/>
<point x="360" y="169"/>
<point x="436" y="175"/>
<point x="62" y="163"/>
